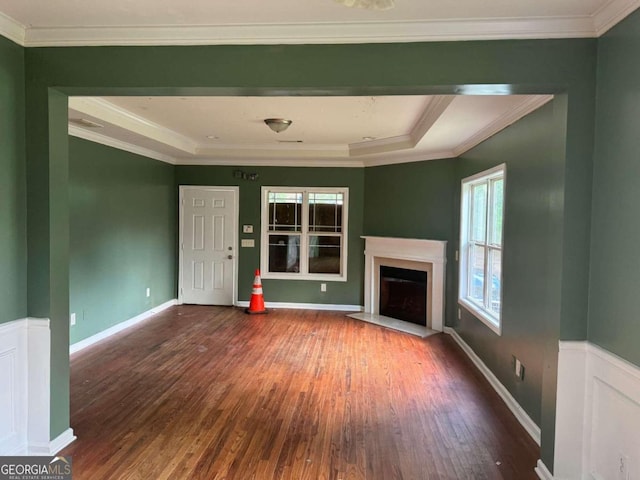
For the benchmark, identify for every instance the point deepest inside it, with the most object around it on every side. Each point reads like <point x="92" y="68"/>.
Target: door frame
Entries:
<point x="235" y="222"/>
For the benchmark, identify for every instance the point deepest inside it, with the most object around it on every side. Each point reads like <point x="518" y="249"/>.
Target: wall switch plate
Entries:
<point x="148" y="292"/>
<point x="459" y="314"/>
<point x="247" y="229"/>
<point x="247" y="242"/>
<point x="72" y="319"/>
<point x="323" y="287"/>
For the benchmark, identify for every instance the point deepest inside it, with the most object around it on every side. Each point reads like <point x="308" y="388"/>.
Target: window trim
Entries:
<point x="304" y="234"/>
<point x="486" y="316"/>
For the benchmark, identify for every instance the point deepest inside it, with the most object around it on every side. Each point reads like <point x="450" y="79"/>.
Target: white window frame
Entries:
<point x="484" y="314"/>
<point x="304" y="235"/>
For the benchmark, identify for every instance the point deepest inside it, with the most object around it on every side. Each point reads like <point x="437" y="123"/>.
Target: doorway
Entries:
<point x="208" y="245"/>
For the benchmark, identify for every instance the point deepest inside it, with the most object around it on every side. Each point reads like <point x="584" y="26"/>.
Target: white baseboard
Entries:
<point x="307" y="306"/>
<point x="87" y="342"/>
<point x="525" y="420"/>
<point x="542" y="471"/>
<point x="54" y="446"/>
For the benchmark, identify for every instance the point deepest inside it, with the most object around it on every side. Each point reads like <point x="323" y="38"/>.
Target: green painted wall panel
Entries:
<point x="300" y="291"/>
<point x="13" y="200"/>
<point x="122" y="235"/>
<point x="532" y="272"/>
<point x="414" y="200"/>
<point x="615" y="263"/>
<point x="527" y="66"/>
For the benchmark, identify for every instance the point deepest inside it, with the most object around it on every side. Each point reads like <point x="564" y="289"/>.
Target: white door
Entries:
<point x="208" y="219"/>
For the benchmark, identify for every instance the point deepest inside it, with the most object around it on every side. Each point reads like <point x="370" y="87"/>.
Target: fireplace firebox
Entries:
<point x="403" y="294"/>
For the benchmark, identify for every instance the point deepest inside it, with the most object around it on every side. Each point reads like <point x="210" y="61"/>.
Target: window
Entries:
<point x="481" y="223"/>
<point x="304" y="233"/>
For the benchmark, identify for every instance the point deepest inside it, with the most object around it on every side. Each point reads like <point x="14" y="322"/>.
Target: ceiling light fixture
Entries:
<point x="277" y="124"/>
<point x="368" y="4"/>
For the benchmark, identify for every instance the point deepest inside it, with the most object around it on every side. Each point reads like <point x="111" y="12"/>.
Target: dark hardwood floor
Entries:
<point x="212" y="393"/>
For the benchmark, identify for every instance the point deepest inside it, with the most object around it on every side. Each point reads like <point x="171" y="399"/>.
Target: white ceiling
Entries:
<point x="406" y="128"/>
<point x="161" y="22"/>
<point x="326" y="131"/>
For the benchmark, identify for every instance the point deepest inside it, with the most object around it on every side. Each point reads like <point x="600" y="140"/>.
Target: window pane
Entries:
<point x="285" y="211"/>
<point x="324" y="254"/>
<point x="497" y="187"/>
<point x="325" y="212"/>
<point x="495" y="271"/>
<point x="479" y="212"/>
<point x="284" y="253"/>
<point x="476" y="273"/>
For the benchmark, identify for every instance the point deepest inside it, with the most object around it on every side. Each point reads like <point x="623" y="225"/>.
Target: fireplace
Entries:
<point x="426" y="257"/>
<point x="403" y="294"/>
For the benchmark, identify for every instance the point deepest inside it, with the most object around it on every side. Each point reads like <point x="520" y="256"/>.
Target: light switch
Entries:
<point x="248" y="242"/>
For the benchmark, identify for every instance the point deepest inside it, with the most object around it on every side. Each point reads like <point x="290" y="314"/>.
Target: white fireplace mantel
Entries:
<point x="413" y="253"/>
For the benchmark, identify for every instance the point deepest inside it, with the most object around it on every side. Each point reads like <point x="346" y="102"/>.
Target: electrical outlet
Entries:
<point x="148" y="292"/>
<point x="623" y="467"/>
<point x="72" y="319"/>
<point x="323" y="287"/>
<point x="519" y="370"/>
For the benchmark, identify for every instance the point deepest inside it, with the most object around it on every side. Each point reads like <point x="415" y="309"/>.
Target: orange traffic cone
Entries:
<point x="256" y="305"/>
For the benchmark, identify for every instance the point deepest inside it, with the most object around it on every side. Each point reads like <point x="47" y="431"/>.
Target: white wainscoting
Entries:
<point x="13" y="387"/>
<point x="597" y="414"/>
<point x="25" y="368"/>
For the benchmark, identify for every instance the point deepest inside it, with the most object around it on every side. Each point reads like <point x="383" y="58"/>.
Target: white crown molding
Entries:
<point x="106" y="111"/>
<point x="12" y="29"/>
<point x="437" y="106"/>
<point x="612" y="13"/>
<point x="528" y="105"/>
<point x="432" y="112"/>
<point x="93" y="136"/>
<point x="408" y="157"/>
<point x="274" y="162"/>
<point x="341" y="33"/>
<point x="381" y="145"/>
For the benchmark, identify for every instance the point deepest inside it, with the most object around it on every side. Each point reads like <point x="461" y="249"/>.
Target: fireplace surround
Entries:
<point x="408" y="253"/>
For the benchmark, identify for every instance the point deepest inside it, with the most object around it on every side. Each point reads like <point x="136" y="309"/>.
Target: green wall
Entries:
<point x="526" y="66"/>
<point x="13" y="200"/>
<point x="414" y="200"/>
<point x="122" y="235"/>
<point x="532" y="270"/>
<point x="300" y="291"/>
<point x="422" y="200"/>
<point x="615" y="235"/>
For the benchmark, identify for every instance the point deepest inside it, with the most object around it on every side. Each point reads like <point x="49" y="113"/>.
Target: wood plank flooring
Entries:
<point x="212" y="393"/>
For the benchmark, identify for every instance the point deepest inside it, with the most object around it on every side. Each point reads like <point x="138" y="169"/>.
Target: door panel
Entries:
<point x="208" y="245"/>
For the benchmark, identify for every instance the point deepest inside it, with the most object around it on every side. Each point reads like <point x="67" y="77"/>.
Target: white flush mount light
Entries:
<point x="368" y="4"/>
<point x="277" y="124"/>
